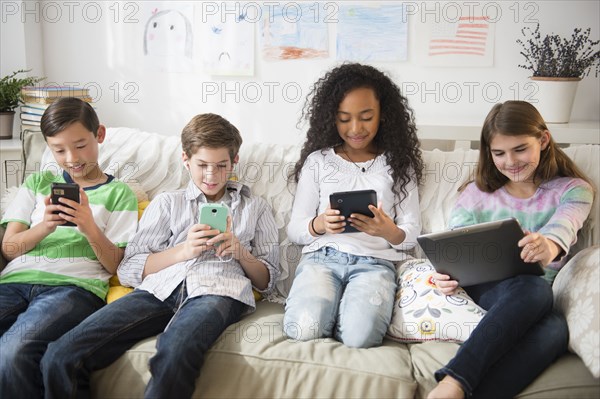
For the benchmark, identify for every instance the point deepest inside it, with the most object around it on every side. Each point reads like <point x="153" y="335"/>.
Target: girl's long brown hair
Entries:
<point x="517" y="118"/>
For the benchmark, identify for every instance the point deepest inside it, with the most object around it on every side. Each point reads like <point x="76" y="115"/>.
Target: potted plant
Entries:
<point x="10" y="98"/>
<point x="558" y="64"/>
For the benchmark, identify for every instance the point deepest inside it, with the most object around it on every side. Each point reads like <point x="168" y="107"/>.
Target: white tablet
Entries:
<point x="479" y="253"/>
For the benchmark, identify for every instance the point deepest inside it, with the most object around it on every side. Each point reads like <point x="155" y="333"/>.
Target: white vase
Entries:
<point x="555" y="98"/>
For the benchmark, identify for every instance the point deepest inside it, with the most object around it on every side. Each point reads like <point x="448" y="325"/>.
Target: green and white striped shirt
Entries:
<point x="65" y="257"/>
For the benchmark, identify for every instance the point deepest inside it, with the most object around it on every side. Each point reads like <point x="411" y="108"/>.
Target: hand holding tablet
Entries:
<point x="479" y="253"/>
<point x="349" y="202"/>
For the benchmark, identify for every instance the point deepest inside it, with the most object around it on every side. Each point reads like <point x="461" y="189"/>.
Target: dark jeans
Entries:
<point x="32" y="316"/>
<point x="107" y="334"/>
<point x="517" y="339"/>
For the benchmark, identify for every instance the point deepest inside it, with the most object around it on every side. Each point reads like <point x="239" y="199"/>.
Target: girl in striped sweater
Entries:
<point x="522" y="173"/>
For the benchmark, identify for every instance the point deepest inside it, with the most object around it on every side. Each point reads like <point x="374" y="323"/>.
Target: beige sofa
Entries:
<point x="253" y="359"/>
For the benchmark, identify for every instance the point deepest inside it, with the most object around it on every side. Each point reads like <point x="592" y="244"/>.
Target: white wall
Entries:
<point x="20" y="43"/>
<point x="90" y="43"/>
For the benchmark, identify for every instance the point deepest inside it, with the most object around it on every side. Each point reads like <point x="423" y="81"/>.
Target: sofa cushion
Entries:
<point x="567" y="377"/>
<point x="423" y="313"/>
<point x="253" y="358"/>
<point x="587" y="158"/>
<point x="265" y="168"/>
<point x="577" y="296"/>
<point x="444" y="173"/>
<point x="125" y="154"/>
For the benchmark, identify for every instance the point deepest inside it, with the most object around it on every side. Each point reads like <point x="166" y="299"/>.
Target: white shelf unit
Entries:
<point x="573" y="133"/>
<point x="10" y="164"/>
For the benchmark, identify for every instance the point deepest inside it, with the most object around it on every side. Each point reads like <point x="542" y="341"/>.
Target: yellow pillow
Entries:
<point x="141" y="208"/>
<point x="116" y="290"/>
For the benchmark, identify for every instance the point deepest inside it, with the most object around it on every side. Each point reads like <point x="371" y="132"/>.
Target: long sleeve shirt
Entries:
<point x="557" y="210"/>
<point x="324" y="172"/>
<point x="165" y="224"/>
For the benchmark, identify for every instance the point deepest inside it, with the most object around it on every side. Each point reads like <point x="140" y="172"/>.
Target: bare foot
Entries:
<point x="447" y="388"/>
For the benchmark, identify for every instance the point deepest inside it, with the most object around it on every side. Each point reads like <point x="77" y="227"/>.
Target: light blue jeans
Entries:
<point x="340" y="295"/>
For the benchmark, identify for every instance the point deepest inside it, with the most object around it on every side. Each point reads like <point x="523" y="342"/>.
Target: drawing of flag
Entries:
<point x="468" y="36"/>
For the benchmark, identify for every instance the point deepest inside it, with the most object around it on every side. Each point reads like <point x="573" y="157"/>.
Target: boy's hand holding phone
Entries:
<point x="82" y="213"/>
<point x="68" y="205"/>
<point x="212" y="231"/>
<point x="197" y="240"/>
<point x="227" y="243"/>
<point x="51" y="218"/>
<point x="77" y="213"/>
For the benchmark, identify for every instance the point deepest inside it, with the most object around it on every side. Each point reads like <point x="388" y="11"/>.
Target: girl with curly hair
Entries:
<point x="361" y="136"/>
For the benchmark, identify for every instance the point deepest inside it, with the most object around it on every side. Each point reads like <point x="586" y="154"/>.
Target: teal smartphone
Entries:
<point x="214" y="215"/>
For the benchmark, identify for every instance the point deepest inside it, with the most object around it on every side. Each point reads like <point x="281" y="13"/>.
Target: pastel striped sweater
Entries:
<point x="557" y="210"/>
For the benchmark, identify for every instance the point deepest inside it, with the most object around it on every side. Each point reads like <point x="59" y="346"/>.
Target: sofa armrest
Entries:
<point x="3" y="261"/>
<point x="577" y="296"/>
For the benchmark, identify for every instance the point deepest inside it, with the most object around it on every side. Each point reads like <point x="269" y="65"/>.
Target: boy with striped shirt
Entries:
<point x="191" y="281"/>
<point x="58" y="275"/>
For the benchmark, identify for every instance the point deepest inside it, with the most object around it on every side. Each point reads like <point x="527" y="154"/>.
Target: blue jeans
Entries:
<point x="32" y="316"/>
<point x="341" y="295"/>
<point x="107" y="334"/>
<point x="517" y="339"/>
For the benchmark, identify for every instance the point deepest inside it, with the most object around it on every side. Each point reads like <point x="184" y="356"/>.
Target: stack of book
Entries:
<point x="38" y="98"/>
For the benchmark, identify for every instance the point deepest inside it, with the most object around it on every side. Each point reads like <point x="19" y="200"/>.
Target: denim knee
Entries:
<point x="20" y="374"/>
<point x="559" y="338"/>
<point x="13" y="353"/>
<point x="535" y="292"/>
<point x="308" y="323"/>
<point x="361" y="338"/>
<point x="55" y="356"/>
<point x="312" y="304"/>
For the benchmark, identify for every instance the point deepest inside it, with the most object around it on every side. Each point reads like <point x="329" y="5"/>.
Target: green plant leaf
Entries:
<point x="10" y="89"/>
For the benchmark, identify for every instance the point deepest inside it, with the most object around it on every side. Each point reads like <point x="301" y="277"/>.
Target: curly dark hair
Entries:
<point x="397" y="133"/>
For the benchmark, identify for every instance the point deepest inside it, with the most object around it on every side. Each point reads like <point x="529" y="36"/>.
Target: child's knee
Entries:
<point x="306" y="324"/>
<point x="9" y="354"/>
<point x="55" y="356"/>
<point x="364" y="331"/>
<point x="538" y="291"/>
<point x="365" y="337"/>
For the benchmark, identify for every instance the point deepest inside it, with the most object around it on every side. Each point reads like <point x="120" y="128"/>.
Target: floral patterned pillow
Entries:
<point x="423" y="313"/>
<point x="577" y="296"/>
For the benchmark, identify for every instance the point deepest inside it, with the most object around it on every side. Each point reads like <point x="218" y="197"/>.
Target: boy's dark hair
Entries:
<point x="397" y="134"/>
<point x="212" y="131"/>
<point x="65" y="111"/>
<point x="516" y="118"/>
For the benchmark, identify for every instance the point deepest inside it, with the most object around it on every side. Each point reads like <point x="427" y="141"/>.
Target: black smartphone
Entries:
<point x="65" y="190"/>
<point x="349" y="202"/>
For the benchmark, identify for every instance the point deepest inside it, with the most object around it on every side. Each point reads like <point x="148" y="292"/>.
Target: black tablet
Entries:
<point x="349" y="202"/>
<point x="479" y="253"/>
